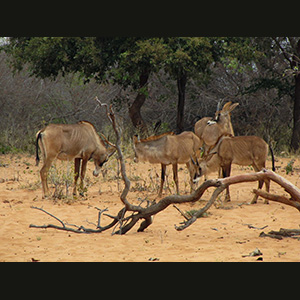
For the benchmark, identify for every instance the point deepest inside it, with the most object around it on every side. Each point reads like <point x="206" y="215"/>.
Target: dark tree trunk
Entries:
<point x="181" y="84"/>
<point x="295" y="142"/>
<point x="135" y="108"/>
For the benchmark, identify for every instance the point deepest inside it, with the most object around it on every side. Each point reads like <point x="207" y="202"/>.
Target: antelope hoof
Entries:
<point x="95" y="173"/>
<point x="227" y="199"/>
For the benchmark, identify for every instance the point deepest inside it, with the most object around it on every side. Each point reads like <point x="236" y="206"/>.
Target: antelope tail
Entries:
<point x="37" y="158"/>
<point x="273" y="160"/>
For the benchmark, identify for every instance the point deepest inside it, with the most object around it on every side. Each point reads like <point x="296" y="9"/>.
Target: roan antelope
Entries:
<point x="209" y="130"/>
<point x="217" y="126"/>
<point x="240" y="150"/>
<point x="71" y="141"/>
<point x="169" y="149"/>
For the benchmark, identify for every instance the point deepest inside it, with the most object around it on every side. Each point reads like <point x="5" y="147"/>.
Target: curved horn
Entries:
<point x="219" y="106"/>
<point x="107" y="141"/>
<point x="194" y="163"/>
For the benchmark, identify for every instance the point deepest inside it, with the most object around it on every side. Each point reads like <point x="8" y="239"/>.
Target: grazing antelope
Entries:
<point x="240" y="150"/>
<point x="71" y="141"/>
<point x="169" y="149"/>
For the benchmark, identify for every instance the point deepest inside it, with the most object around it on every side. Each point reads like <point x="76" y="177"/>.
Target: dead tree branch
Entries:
<point x="111" y="116"/>
<point x="294" y="201"/>
<point x="293" y="233"/>
<point x="79" y="229"/>
<point x="277" y="198"/>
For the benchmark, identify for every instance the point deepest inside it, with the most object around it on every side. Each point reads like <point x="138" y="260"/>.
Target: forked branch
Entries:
<point x="77" y="229"/>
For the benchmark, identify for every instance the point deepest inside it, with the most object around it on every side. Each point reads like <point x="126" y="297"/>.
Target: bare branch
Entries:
<point x="41" y="209"/>
<point x="277" y="198"/>
<point x="79" y="229"/>
<point x="183" y="214"/>
<point x="285" y="54"/>
<point x="293" y="233"/>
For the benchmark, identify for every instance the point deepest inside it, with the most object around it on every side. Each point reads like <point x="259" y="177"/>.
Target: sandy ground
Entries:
<point x="223" y="235"/>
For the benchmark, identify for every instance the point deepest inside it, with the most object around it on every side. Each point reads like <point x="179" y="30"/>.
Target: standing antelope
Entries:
<point x="71" y="141"/>
<point x="240" y="150"/>
<point x="169" y="149"/>
<point x="209" y="130"/>
<point x="219" y="125"/>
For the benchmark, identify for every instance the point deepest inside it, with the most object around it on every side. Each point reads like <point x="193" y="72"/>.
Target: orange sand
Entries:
<point x="220" y="236"/>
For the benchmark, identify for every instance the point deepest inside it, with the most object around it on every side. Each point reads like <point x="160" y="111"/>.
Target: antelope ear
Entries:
<point x="232" y="107"/>
<point x="226" y="106"/>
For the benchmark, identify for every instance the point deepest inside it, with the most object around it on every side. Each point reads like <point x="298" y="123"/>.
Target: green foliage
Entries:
<point x="122" y="60"/>
<point x="238" y="54"/>
<point x="188" y="55"/>
<point x="4" y="149"/>
<point x="289" y="167"/>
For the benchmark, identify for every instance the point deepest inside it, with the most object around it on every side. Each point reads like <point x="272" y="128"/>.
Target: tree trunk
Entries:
<point x="295" y="142"/>
<point x="181" y="84"/>
<point x="135" y="108"/>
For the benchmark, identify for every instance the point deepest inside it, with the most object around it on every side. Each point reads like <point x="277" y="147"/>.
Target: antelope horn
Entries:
<point x="193" y="160"/>
<point x="107" y="141"/>
<point x="219" y="106"/>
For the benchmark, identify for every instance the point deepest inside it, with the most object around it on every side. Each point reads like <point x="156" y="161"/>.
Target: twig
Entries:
<point x="101" y="211"/>
<point x="253" y="227"/>
<point x="39" y="208"/>
<point x="106" y="106"/>
<point x="282" y="233"/>
<point x="79" y="229"/>
<point x="182" y="213"/>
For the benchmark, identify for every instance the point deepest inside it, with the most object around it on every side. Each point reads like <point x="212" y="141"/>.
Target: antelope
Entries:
<point x="220" y="124"/>
<point x="209" y="130"/>
<point x="169" y="149"/>
<point x="78" y="141"/>
<point x="240" y="150"/>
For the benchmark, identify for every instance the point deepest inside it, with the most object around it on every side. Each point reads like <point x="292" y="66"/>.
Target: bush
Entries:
<point x="62" y="178"/>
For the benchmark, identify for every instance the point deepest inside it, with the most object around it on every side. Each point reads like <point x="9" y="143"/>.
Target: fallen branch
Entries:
<point x="277" y="198"/>
<point x="282" y="233"/>
<point x="294" y="192"/>
<point x="253" y="227"/>
<point x="79" y="229"/>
